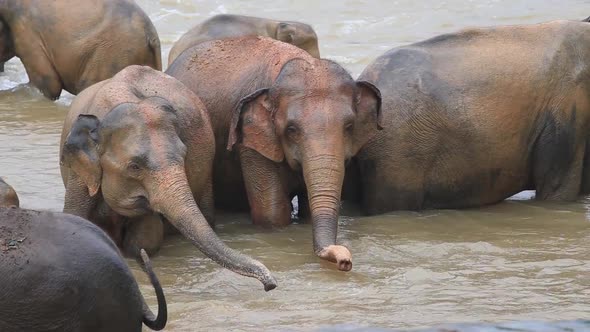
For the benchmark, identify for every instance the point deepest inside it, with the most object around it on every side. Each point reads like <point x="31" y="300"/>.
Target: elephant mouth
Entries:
<point x="139" y="206"/>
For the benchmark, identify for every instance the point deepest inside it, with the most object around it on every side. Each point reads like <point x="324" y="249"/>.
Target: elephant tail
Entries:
<point x="154" y="323"/>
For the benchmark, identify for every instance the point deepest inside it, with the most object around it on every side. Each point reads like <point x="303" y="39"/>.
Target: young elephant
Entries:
<point x="476" y="116"/>
<point x="8" y="196"/>
<point x="72" y="44"/>
<point x="288" y="114"/>
<point x="59" y="272"/>
<point x="231" y="26"/>
<point x="139" y="146"/>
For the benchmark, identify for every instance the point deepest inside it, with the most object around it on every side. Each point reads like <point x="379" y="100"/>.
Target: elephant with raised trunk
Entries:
<point x="476" y="116"/>
<point x="232" y="26"/>
<point x="72" y="44"/>
<point x="59" y="272"/>
<point x="8" y="196"/>
<point x="291" y="120"/>
<point x="137" y="150"/>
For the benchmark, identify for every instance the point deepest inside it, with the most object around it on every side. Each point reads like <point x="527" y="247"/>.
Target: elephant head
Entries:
<point x="315" y="117"/>
<point x="299" y="34"/>
<point x="136" y="156"/>
<point x="8" y="196"/>
<point x="6" y="45"/>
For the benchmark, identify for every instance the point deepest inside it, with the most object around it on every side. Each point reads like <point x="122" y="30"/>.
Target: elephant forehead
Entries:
<point x="319" y="110"/>
<point x="140" y="143"/>
<point x="313" y="73"/>
<point x="314" y="98"/>
<point x="140" y="115"/>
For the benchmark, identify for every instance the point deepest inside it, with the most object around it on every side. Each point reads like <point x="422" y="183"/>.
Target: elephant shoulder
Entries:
<point x="402" y="68"/>
<point x="410" y="57"/>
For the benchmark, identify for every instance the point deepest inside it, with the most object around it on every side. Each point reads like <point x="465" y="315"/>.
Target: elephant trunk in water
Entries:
<point x="324" y="175"/>
<point x="174" y="200"/>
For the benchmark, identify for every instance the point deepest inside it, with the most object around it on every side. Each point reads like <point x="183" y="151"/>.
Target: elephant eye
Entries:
<point x="134" y="167"/>
<point x="349" y="127"/>
<point x="292" y="130"/>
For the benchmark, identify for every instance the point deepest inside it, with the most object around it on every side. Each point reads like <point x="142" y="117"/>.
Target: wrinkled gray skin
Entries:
<point x="230" y="26"/>
<point x="59" y="272"/>
<point x="72" y="44"/>
<point x="137" y="150"/>
<point x="8" y="196"/>
<point x="476" y="116"/>
<point x="291" y="120"/>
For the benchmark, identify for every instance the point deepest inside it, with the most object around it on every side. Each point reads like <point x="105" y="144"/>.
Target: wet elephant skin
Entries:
<point x="474" y="117"/>
<point x="53" y="265"/>
<point x="288" y="122"/>
<point x="137" y="151"/>
<point x="231" y="26"/>
<point x="72" y="44"/>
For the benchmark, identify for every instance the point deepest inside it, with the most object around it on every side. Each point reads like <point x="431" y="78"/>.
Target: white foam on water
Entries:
<point x="14" y="75"/>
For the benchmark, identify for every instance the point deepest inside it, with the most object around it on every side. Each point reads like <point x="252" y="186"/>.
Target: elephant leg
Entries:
<point x="351" y="188"/>
<point x="42" y="74"/>
<point x="304" y="212"/>
<point x="558" y="169"/>
<point x="266" y="189"/>
<point x="386" y="187"/>
<point x="146" y="233"/>
<point x="207" y="204"/>
<point x="585" y="190"/>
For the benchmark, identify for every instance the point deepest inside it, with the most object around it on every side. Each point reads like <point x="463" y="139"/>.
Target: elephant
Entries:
<point x="72" y="44"/>
<point x="8" y="196"/>
<point x="231" y="26"/>
<point x="476" y="116"/>
<point x="137" y="150"/>
<point x="290" y="120"/>
<point x="59" y="272"/>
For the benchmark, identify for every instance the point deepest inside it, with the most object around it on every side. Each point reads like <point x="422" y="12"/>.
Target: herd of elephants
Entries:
<point x="248" y="116"/>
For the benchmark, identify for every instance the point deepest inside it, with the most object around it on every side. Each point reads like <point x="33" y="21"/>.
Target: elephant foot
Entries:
<point x="339" y="255"/>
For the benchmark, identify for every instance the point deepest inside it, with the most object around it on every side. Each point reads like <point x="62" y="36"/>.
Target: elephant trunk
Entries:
<point x="324" y="175"/>
<point x="175" y="201"/>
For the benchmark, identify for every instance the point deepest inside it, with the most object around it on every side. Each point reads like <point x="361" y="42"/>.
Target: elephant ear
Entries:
<point x="80" y="152"/>
<point x="369" y="118"/>
<point x="286" y="32"/>
<point x="252" y="125"/>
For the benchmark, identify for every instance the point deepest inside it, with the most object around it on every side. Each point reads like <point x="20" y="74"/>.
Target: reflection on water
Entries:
<point x="516" y="260"/>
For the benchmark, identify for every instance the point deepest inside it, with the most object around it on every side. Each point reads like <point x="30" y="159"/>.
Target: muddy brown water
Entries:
<point x="516" y="260"/>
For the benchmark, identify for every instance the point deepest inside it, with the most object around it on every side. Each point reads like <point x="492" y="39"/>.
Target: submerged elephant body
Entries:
<point x="72" y="44"/>
<point x="8" y="196"/>
<point x="59" y="272"/>
<point x="291" y="120"/>
<point x="232" y="26"/>
<point x="137" y="150"/>
<point x="474" y="117"/>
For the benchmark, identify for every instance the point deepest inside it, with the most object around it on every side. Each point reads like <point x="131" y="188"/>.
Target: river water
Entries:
<point x="516" y="260"/>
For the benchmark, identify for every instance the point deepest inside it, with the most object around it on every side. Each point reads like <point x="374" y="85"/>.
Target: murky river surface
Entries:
<point x="516" y="260"/>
